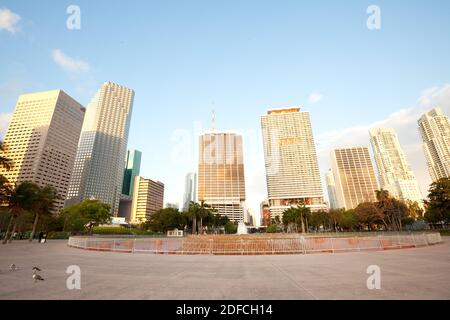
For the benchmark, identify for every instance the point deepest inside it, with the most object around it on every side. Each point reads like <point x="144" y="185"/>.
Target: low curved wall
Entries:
<point x="256" y="245"/>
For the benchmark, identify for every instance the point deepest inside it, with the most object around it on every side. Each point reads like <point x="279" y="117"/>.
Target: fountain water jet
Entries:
<point x="242" y="229"/>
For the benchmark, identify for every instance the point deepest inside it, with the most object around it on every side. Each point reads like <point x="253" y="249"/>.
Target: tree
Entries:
<point x="193" y="213"/>
<point x="204" y="210"/>
<point x="335" y="217"/>
<point x="368" y="214"/>
<point x="44" y="205"/>
<point x="164" y="220"/>
<point x="348" y="220"/>
<point x="438" y="205"/>
<point x="88" y="212"/>
<point x="295" y="217"/>
<point x="22" y="198"/>
<point x="393" y="212"/>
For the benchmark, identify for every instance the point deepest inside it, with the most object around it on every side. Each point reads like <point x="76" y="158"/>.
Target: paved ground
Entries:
<point x="405" y="274"/>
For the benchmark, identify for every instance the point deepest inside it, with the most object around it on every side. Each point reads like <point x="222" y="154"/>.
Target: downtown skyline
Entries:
<point x="371" y="103"/>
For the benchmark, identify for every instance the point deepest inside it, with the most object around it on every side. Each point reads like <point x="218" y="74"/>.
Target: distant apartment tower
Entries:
<point x="148" y="197"/>
<point x="99" y="163"/>
<point x="42" y="140"/>
<point x="132" y="169"/>
<point x="265" y="213"/>
<point x="331" y="188"/>
<point x="221" y="182"/>
<point x="292" y="170"/>
<point x="394" y="171"/>
<point x="434" y="127"/>
<point x="354" y="176"/>
<point x="190" y="190"/>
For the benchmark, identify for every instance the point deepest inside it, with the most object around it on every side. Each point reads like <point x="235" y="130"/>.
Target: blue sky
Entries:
<point x="184" y="58"/>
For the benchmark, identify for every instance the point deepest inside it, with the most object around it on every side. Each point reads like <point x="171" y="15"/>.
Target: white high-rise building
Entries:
<point x="99" y="165"/>
<point x="331" y="188"/>
<point x="434" y="127"/>
<point x="190" y="190"/>
<point x="42" y="140"/>
<point x="292" y="170"/>
<point x="394" y="172"/>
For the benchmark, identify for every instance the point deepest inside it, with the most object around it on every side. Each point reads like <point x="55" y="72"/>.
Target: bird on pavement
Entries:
<point x="37" y="277"/>
<point x="13" y="267"/>
<point x="36" y="269"/>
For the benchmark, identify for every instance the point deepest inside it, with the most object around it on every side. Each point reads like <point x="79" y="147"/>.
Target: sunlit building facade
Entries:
<point x="221" y="182"/>
<point x="148" y="197"/>
<point x="394" y="172"/>
<point x="42" y="140"/>
<point x="292" y="170"/>
<point x="354" y="176"/>
<point x="434" y="127"/>
<point x="331" y="188"/>
<point x="99" y="163"/>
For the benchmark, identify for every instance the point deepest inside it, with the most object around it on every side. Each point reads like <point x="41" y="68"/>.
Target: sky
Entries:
<point x="185" y="58"/>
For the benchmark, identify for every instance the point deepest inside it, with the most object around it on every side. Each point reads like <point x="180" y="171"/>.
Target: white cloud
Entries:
<point x="315" y="97"/>
<point x="5" y="118"/>
<point x="68" y="63"/>
<point x="9" y="20"/>
<point x="403" y="121"/>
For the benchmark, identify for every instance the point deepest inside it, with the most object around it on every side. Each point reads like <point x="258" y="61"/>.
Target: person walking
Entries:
<point x="41" y="235"/>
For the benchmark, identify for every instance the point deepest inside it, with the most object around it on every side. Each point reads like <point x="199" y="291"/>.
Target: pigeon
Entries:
<point x="37" y="277"/>
<point x="13" y="267"/>
<point x="36" y="269"/>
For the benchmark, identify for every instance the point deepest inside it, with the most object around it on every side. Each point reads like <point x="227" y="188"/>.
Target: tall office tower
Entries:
<point x="190" y="190"/>
<point x="292" y="170"/>
<point x="354" y="176"/>
<point x="99" y="163"/>
<point x="331" y="188"/>
<point x="395" y="174"/>
<point x="148" y="197"/>
<point x="132" y="169"/>
<point x="221" y="182"/>
<point x="42" y="140"/>
<point x="434" y="128"/>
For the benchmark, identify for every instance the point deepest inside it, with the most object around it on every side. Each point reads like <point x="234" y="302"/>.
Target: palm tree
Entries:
<point x="43" y="206"/>
<point x="204" y="211"/>
<point x="193" y="214"/>
<point x="22" y="198"/>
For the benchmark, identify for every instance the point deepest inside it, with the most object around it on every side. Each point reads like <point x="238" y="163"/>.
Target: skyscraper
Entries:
<point x="190" y="190"/>
<point x="148" y="197"/>
<point x="395" y="174"/>
<point x="221" y="182"/>
<point x="42" y="140"/>
<point x="132" y="169"/>
<point x="354" y="176"/>
<point x="331" y="188"/>
<point x="292" y="170"/>
<point x="99" y="163"/>
<point x="434" y="127"/>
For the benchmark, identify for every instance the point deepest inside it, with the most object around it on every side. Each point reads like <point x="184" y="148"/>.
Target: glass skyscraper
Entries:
<point x="99" y="163"/>
<point x="132" y="169"/>
<point x="221" y="182"/>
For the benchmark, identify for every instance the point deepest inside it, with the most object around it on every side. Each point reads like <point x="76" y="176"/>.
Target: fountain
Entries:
<point x="242" y="229"/>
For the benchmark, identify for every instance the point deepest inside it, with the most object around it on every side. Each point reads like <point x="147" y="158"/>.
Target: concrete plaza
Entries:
<point x="420" y="273"/>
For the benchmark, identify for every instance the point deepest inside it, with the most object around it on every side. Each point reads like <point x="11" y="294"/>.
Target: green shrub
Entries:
<point x="58" y="235"/>
<point x="272" y="229"/>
